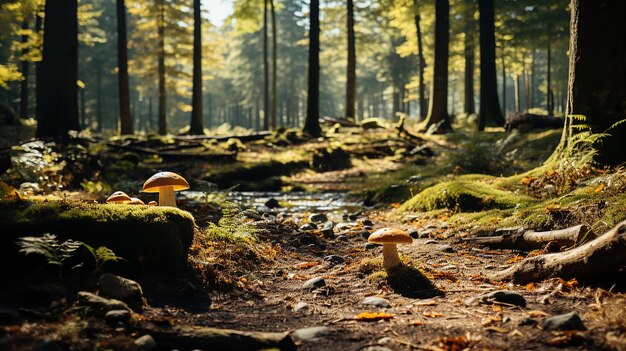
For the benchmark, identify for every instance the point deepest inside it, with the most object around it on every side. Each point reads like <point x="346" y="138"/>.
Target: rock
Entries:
<point x="49" y="345"/>
<point x="527" y="322"/>
<point x="371" y="246"/>
<point x="313" y="283"/>
<point x="446" y="248"/>
<point x="343" y="226"/>
<point x="362" y="233"/>
<point x="264" y="209"/>
<point x="300" y="306"/>
<point x="334" y="260"/>
<point x="414" y="234"/>
<point x="308" y="226"/>
<point x="115" y="316"/>
<point x="352" y="217"/>
<point x="311" y="334"/>
<point x="86" y="298"/>
<point x="120" y="288"/>
<point x="318" y="218"/>
<point x="375" y="301"/>
<point x="342" y="238"/>
<point x="328" y="230"/>
<point x="252" y="214"/>
<point x="425" y="234"/>
<point x="367" y="222"/>
<point x="145" y="342"/>
<point x="272" y="203"/>
<point x="506" y="296"/>
<point x="568" y="321"/>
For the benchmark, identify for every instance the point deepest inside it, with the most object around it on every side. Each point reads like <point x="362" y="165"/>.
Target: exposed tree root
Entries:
<point x="529" y="240"/>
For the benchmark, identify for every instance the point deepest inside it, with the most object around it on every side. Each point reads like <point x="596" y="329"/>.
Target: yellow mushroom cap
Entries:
<point x="162" y="179"/>
<point x="152" y="203"/>
<point x="136" y="201"/>
<point x="390" y="236"/>
<point x="118" y="197"/>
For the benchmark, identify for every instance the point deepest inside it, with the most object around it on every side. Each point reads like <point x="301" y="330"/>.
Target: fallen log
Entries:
<point x="530" y="240"/>
<point x="534" y="121"/>
<point x="243" y="138"/>
<point x="192" y="337"/>
<point x="406" y="135"/>
<point x="176" y="155"/>
<point x="601" y="257"/>
<point x="342" y="122"/>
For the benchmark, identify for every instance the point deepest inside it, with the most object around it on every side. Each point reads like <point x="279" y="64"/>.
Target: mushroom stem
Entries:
<point x="166" y="196"/>
<point x="390" y="256"/>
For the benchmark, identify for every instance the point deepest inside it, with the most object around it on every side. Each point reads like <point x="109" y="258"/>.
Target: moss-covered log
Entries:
<point x="150" y="239"/>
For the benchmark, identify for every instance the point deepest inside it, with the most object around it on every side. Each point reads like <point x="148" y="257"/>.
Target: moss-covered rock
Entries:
<point x="150" y="239"/>
<point x="465" y="195"/>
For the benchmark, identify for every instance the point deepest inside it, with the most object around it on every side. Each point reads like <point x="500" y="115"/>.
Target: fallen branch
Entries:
<point x="342" y="122"/>
<point x="601" y="257"/>
<point x="191" y="337"/>
<point x="175" y="155"/>
<point x="243" y="138"/>
<point x="405" y="134"/>
<point x="530" y="240"/>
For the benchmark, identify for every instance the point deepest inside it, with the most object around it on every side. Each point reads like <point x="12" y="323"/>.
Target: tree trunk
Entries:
<point x="518" y="96"/>
<point x="549" y="100"/>
<point x="503" y="82"/>
<point x="312" y="123"/>
<point x="196" y="125"/>
<point x="526" y="85"/>
<point x="438" y="110"/>
<point x="600" y="258"/>
<point x="596" y="87"/>
<point x="83" y="109"/>
<point x="530" y="240"/>
<point x="126" y="122"/>
<point x="532" y="80"/>
<point x="351" y="71"/>
<point x="38" y="73"/>
<point x="274" y="62"/>
<point x="469" y="105"/>
<point x="59" y="92"/>
<point x="420" y="69"/>
<point x="161" y="34"/>
<point x="266" y="72"/>
<point x="25" y="68"/>
<point x="490" y="112"/>
<point x="98" y="98"/>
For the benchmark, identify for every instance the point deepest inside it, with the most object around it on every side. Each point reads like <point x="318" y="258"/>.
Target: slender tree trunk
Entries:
<point x="503" y="81"/>
<point x="196" y="125"/>
<point x="532" y="80"/>
<point x="38" y="74"/>
<point x="438" y="111"/>
<point x="274" y="62"/>
<point x="312" y="123"/>
<point x="469" y="105"/>
<point x="490" y="112"/>
<point x="351" y="72"/>
<point x="518" y="97"/>
<point x="549" y="100"/>
<point x="421" y="66"/>
<point x="25" y="68"/>
<point x="83" y="109"/>
<point x="98" y="98"/>
<point x="266" y="72"/>
<point x="59" y="70"/>
<point x="526" y="85"/>
<point x="126" y="121"/>
<point x="161" y="34"/>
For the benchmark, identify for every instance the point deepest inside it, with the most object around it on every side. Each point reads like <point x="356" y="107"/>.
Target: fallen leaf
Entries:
<point x="565" y="338"/>
<point x="599" y="188"/>
<point x="426" y="303"/>
<point x="537" y="314"/>
<point x="497" y="330"/>
<point x="373" y="316"/>
<point x="515" y="259"/>
<point x="306" y="265"/>
<point x="432" y="314"/>
<point x="489" y="320"/>
<point x="528" y="180"/>
<point x="416" y="323"/>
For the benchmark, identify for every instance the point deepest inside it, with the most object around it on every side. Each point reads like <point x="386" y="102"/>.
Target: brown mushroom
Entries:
<point x="136" y="201"/>
<point x="152" y="203"/>
<point x="165" y="183"/>
<point x="119" y="197"/>
<point x="389" y="237"/>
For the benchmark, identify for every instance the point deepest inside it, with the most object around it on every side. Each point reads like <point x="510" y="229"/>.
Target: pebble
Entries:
<point x="318" y="218"/>
<point x="334" y="259"/>
<point x="367" y="222"/>
<point x="328" y="230"/>
<point x="431" y="242"/>
<point x="313" y="283"/>
<point x="375" y="301"/>
<point x="414" y="234"/>
<point x="344" y="225"/>
<point x="272" y="203"/>
<point x="425" y="234"/>
<point x="311" y="334"/>
<point x="252" y="214"/>
<point x="568" y="321"/>
<point x="506" y="296"/>
<point x="447" y="248"/>
<point x="120" y="288"/>
<point x="145" y="342"/>
<point x="263" y="209"/>
<point x="362" y="233"/>
<point x="308" y="226"/>
<point x="371" y="246"/>
<point x="342" y="238"/>
<point x="527" y="322"/>
<point x="115" y="316"/>
<point x="300" y="306"/>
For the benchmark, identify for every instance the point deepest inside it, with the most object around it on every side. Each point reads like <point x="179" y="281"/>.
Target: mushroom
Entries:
<point x="119" y="197"/>
<point x="152" y="203"/>
<point x="389" y="237"/>
<point x="165" y="183"/>
<point x="136" y="201"/>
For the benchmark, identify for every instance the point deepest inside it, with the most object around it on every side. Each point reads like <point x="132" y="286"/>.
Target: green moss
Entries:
<point x="150" y="239"/>
<point x="465" y="195"/>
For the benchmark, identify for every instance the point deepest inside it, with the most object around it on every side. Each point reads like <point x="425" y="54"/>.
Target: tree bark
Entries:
<point x="526" y="85"/>
<point x="351" y="71"/>
<point x="600" y="258"/>
<point x="24" y="93"/>
<point x="38" y="73"/>
<point x="59" y="91"/>
<point x="469" y="106"/>
<point x="266" y="72"/>
<point x="423" y="105"/>
<point x="530" y="240"/>
<point x="98" y="98"/>
<point x="161" y="58"/>
<point x="438" y="110"/>
<point x="126" y="122"/>
<point x="518" y="96"/>
<point x="196" y="125"/>
<point x="549" y="99"/>
<point x="312" y="124"/>
<point x="490" y="112"/>
<point x="274" y="62"/>
<point x="596" y="86"/>
<point x="503" y="82"/>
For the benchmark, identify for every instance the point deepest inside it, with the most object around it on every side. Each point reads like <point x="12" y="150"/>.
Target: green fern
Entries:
<point x="48" y="246"/>
<point x="101" y="255"/>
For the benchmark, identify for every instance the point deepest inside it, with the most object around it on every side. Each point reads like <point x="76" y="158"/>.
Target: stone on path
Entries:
<point x="334" y="260"/>
<point x="115" y="316"/>
<point x="313" y="283"/>
<point x="318" y="218"/>
<point x="375" y="301"/>
<point x="120" y="288"/>
<point x="300" y="306"/>
<point x="568" y="321"/>
<point x="311" y="334"/>
<point x="145" y="342"/>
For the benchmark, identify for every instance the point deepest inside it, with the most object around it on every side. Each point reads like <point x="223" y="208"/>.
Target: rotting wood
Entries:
<point x="531" y="240"/>
<point x="192" y="337"/>
<point x="601" y="257"/>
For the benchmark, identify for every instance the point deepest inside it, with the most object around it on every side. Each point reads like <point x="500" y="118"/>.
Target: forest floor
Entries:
<point x="258" y="282"/>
